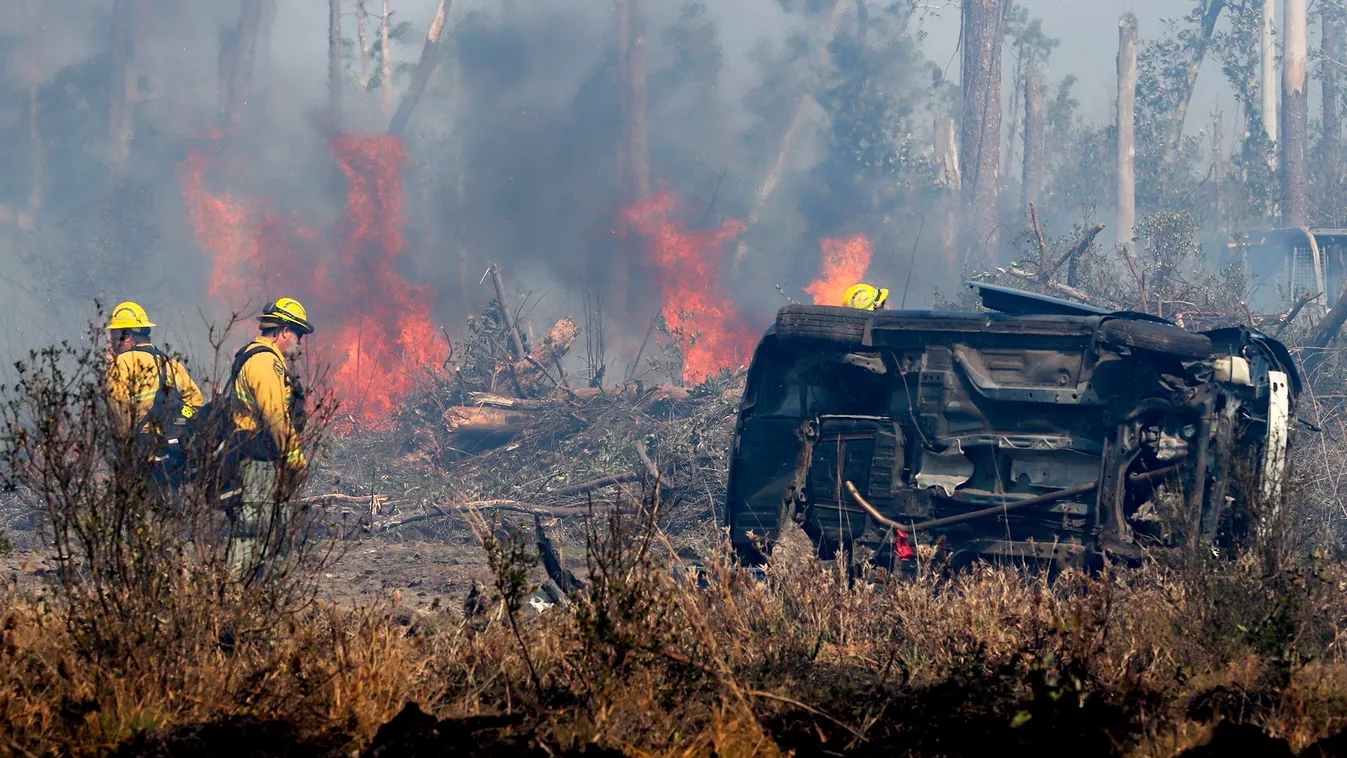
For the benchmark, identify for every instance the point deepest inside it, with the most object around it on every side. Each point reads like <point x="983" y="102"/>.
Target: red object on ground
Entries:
<point x="903" y="542"/>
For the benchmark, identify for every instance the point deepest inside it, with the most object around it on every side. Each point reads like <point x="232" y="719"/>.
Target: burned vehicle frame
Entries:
<point x="1040" y="429"/>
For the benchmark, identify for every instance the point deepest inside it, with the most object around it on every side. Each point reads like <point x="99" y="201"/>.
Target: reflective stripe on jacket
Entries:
<point x="133" y="382"/>
<point x="264" y="400"/>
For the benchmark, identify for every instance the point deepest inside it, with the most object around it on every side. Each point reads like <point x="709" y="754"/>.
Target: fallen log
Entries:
<point x="372" y="504"/>
<point x="595" y="484"/>
<point x="1316" y="350"/>
<point x="487" y="399"/>
<point x="485" y="505"/>
<point x="491" y="413"/>
<point x="532" y="371"/>
<point x="1057" y="287"/>
<point x="585" y="394"/>
<point x="663" y="397"/>
<point x="553" y="562"/>
<point x="335" y="498"/>
<point x="1286" y="319"/>
<point x="485" y="420"/>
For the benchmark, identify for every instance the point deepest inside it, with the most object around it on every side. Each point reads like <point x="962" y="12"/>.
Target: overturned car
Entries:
<point x="1040" y="430"/>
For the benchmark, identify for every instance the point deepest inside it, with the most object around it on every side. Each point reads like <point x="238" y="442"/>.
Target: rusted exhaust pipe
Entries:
<point x="1144" y="476"/>
<point x="971" y="515"/>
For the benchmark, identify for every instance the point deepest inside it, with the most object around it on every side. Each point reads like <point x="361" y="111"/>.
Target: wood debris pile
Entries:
<point x="506" y="430"/>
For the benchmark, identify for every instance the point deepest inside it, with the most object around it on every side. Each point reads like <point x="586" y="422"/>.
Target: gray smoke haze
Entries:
<point x="513" y="147"/>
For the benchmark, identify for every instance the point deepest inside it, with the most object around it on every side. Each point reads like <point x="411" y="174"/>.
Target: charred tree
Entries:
<point x="1126" y="128"/>
<point x="984" y="28"/>
<point x="334" y="63"/>
<point x="421" y="75"/>
<point x="128" y="17"/>
<point x="362" y="40"/>
<point x="947" y="161"/>
<point x="634" y="150"/>
<point x="1019" y="103"/>
<point x="1209" y="14"/>
<point x="786" y="146"/>
<point x="237" y="56"/>
<point x="1034" y="137"/>
<point x="1267" y="57"/>
<point x="1295" y="114"/>
<point x="620" y="269"/>
<point x="637" y="114"/>
<point x="1330" y="141"/>
<point x="386" y="61"/>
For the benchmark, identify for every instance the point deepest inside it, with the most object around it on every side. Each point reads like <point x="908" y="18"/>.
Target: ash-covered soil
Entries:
<point x="422" y="574"/>
<point x="674" y="446"/>
<point x="429" y="567"/>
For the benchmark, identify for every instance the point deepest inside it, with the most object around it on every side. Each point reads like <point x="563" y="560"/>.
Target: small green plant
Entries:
<point x="511" y="562"/>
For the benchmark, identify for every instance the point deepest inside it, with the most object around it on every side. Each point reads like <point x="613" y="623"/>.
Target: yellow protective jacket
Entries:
<point x="133" y="382"/>
<point x="265" y="398"/>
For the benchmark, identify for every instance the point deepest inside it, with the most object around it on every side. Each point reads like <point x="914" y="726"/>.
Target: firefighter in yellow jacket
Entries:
<point x="150" y="392"/>
<point x="268" y="419"/>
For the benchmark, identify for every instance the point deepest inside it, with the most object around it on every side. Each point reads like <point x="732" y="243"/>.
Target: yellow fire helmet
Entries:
<point x="129" y="315"/>
<point x="866" y="297"/>
<point x="286" y="311"/>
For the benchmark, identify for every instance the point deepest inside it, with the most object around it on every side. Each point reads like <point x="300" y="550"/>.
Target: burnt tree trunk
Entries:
<point x="238" y="58"/>
<point x="1126" y="128"/>
<point x="124" y="82"/>
<point x="1295" y="114"/>
<point x="984" y="29"/>
<point x="947" y="161"/>
<point x="1210" y="13"/>
<point x="1267" y="69"/>
<point x="424" y="68"/>
<point x="620" y="269"/>
<point x="637" y="106"/>
<point x="1330" y="142"/>
<point x="634" y="155"/>
<point x="362" y="40"/>
<point x="634" y="150"/>
<point x="1034" y="142"/>
<point x="786" y="146"/>
<point x="386" y="61"/>
<point x="461" y="222"/>
<point x="334" y="63"/>
<point x="623" y="20"/>
<point x="1018" y="103"/>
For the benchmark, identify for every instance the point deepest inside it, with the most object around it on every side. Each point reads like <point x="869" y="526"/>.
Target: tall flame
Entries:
<point x="845" y="262"/>
<point x="373" y="328"/>
<point x="696" y="305"/>
<point x="385" y="333"/>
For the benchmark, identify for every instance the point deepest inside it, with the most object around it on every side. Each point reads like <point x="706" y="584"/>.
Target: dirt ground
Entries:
<point x="422" y="570"/>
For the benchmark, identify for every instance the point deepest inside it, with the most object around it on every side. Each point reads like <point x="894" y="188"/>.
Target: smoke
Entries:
<point x="512" y="155"/>
<point x="513" y="147"/>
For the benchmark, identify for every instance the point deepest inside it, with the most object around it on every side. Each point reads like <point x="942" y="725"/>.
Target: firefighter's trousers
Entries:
<point x="262" y="520"/>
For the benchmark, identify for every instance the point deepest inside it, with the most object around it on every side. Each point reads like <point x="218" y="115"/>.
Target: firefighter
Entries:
<point x="268" y="411"/>
<point x="866" y="297"/>
<point x="152" y="394"/>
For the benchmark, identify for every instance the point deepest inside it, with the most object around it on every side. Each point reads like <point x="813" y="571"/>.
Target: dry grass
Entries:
<point x="1137" y="663"/>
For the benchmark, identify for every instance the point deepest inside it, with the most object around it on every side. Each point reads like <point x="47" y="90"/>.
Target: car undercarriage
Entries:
<point x="1037" y="430"/>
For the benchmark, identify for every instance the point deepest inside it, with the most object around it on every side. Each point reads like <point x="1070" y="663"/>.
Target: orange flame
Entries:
<point x="696" y="307"/>
<point x="386" y="337"/>
<point x="373" y="328"/>
<point x="224" y="227"/>
<point x="845" y="262"/>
